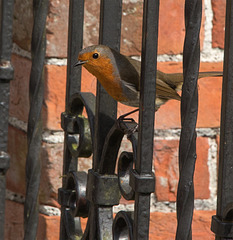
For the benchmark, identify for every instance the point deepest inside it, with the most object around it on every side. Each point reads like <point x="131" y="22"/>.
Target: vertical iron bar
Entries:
<point x="75" y="43"/>
<point x="106" y="112"/>
<point x="189" y="109"/>
<point x="73" y="85"/>
<point x="36" y="94"/>
<point x="6" y="74"/>
<point x="109" y="34"/>
<point x="6" y="29"/>
<point x="225" y="170"/>
<point x="143" y="165"/>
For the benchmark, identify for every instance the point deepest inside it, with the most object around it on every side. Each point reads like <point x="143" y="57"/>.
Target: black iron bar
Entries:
<point x="106" y="107"/>
<point x="73" y="85"/>
<point x="142" y="179"/>
<point x="100" y="217"/>
<point x="189" y="109"/>
<point x="222" y="223"/>
<point x="75" y="43"/>
<point x="35" y="126"/>
<point x="6" y="74"/>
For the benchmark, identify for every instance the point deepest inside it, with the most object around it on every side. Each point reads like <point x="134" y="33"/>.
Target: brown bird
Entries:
<point x="120" y="76"/>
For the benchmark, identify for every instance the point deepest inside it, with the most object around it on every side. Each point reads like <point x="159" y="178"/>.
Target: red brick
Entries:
<point x="17" y="148"/>
<point x="57" y="28"/>
<point x="51" y="175"/>
<point x="22" y="24"/>
<point x="54" y="103"/>
<point x="163" y="225"/>
<point x="167" y="171"/>
<point x="14" y="224"/>
<point x="52" y="158"/>
<point x="48" y="227"/>
<point x="171" y="26"/>
<point x="218" y="31"/>
<point x="19" y="88"/>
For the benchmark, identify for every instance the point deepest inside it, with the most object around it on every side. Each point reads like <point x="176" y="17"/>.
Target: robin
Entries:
<point x="120" y="76"/>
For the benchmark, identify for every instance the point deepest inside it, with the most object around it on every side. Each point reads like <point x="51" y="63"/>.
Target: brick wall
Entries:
<point x="167" y="123"/>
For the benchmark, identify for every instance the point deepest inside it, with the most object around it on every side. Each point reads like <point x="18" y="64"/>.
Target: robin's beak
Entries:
<point x="79" y="62"/>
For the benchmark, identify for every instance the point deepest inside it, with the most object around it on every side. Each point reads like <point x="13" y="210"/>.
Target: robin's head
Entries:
<point x="95" y="59"/>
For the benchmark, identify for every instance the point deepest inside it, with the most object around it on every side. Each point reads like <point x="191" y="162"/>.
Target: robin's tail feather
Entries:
<point x="175" y="80"/>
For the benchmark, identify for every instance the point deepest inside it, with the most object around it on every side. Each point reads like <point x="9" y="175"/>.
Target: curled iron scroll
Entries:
<point x="79" y="131"/>
<point x="123" y="223"/>
<point x="80" y="134"/>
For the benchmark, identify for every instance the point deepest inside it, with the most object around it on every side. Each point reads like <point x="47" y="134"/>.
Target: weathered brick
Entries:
<point x="167" y="170"/>
<point x="54" y="98"/>
<point x="51" y="177"/>
<point x="57" y="28"/>
<point x="23" y="23"/>
<point x="19" y="88"/>
<point x="171" y="26"/>
<point x="14" y="224"/>
<point x="51" y="165"/>
<point x="17" y="148"/>
<point x="48" y="227"/>
<point x="218" y="31"/>
<point x="163" y="225"/>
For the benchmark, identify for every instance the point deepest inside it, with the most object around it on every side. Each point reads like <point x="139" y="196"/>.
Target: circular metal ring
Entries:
<point x="122" y="227"/>
<point x="77" y="202"/>
<point x="125" y="165"/>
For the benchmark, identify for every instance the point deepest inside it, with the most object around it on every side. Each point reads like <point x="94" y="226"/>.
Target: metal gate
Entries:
<point x="93" y="194"/>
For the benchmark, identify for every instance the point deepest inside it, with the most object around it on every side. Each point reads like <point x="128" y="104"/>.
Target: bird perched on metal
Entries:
<point x="120" y="76"/>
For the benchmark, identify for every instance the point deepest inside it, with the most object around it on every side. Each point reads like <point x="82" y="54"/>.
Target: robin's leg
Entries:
<point x="123" y="118"/>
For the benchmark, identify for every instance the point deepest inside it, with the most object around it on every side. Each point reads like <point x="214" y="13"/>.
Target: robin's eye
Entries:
<point x="95" y="55"/>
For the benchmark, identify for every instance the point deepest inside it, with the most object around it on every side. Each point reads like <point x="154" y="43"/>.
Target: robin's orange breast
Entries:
<point x="107" y="76"/>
